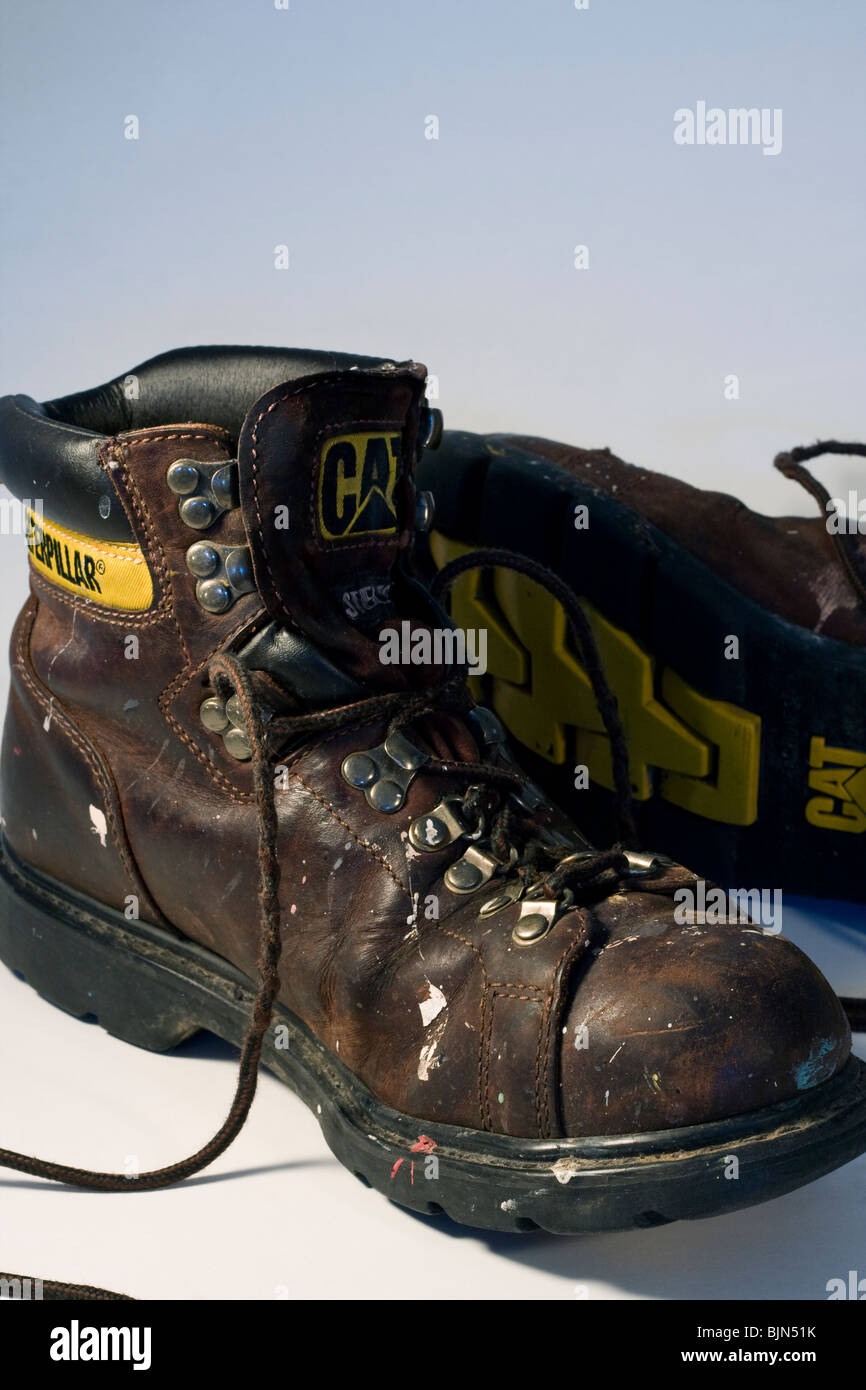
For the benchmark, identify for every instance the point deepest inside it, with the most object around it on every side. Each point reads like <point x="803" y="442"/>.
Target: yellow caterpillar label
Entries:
<point x="838" y="775"/>
<point x="113" y="574"/>
<point x="357" y="475"/>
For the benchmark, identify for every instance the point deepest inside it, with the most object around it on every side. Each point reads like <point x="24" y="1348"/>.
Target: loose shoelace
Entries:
<point x="227" y="672"/>
<point x="226" y="667"/>
<point x="486" y="806"/>
<point x="791" y="465"/>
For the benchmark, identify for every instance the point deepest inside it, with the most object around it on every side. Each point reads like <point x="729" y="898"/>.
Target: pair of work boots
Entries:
<point x="246" y="787"/>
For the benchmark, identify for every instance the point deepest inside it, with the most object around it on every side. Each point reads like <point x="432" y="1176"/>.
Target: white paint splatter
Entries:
<point x="98" y="824"/>
<point x="408" y="848"/>
<point x="564" y="1169"/>
<point x="832" y="592"/>
<point x="427" y="1060"/>
<point x="432" y="1006"/>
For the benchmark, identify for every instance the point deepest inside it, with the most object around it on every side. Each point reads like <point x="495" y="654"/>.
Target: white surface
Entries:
<point x="305" y="127"/>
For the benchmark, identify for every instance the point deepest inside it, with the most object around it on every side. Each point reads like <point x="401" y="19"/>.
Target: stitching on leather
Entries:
<point x="103" y="779"/>
<point x="537" y="997"/>
<point x="188" y="671"/>
<point x="89" y="610"/>
<point x="364" y="844"/>
<point x="510" y="990"/>
<point x="94" y="612"/>
<point x="153" y="547"/>
<point x="254" y="438"/>
<point x="174" y="687"/>
<point x="575" y="948"/>
<point x="152" y="542"/>
<point x="542" y="1103"/>
<point x="99" y="548"/>
<point x="155" y="437"/>
<point x="488" y="999"/>
<point x="456" y="936"/>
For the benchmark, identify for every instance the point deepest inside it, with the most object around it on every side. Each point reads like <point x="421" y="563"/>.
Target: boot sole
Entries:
<point x="751" y="770"/>
<point x="155" y="989"/>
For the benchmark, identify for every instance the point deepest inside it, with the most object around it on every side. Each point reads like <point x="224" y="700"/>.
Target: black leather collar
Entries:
<point x="52" y="451"/>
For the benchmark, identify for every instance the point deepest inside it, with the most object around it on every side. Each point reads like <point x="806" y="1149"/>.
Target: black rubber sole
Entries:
<point x="155" y="989"/>
<point x="752" y="771"/>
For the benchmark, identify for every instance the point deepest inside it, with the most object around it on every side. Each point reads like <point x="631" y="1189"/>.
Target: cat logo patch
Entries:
<point x="357" y="476"/>
<point x="839" y="776"/>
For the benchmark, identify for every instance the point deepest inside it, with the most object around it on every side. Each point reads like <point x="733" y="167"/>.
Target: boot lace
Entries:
<point x="484" y="799"/>
<point x="791" y="465"/>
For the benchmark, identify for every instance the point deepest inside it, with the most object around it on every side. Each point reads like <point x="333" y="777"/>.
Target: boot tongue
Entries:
<point x="326" y="469"/>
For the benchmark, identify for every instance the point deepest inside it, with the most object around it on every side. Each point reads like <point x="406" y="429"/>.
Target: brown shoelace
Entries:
<point x="270" y="944"/>
<point x="226" y="672"/>
<point x="791" y="465"/>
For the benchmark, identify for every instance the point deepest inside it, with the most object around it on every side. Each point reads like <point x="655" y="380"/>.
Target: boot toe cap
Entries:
<point x="678" y="1026"/>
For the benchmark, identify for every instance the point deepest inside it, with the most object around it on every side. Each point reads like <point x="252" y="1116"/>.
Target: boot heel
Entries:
<point x="84" y="964"/>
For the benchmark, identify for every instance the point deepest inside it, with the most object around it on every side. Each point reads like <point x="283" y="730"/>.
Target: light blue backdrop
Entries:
<point x="306" y="127"/>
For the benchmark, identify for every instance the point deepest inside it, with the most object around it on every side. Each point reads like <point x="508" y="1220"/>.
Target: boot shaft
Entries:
<point x="156" y="544"/>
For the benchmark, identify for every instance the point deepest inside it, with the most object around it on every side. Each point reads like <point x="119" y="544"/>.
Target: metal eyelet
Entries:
<point x="488" y="725"/>
<point x="537" y="916"/>
<point x="226" y="718"/>
<point x="508" y="893"/>
<point x="205" y="490"/>
<point x="646" y="865"/>
<point x="471" y="871"/>
<point x="224" y="573"/>
<point x="212" y="713"/>
<point x="438" y="828"/>
<point x="384" y="773"/>
<point x="425" y="508"/>
<point x="431" y="428"/>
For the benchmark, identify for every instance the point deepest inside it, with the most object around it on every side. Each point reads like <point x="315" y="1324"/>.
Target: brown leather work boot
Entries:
<point x="229" y="688"/>
<point x="735" y="645"/>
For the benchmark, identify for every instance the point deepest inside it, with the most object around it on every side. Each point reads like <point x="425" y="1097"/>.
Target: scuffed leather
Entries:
<point x="60" y="466"/>
<point x="297" y="572"/>
<point x="787" y="564"/>
<point x="438" y="1013"/>
<point x="54" y="451"/>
